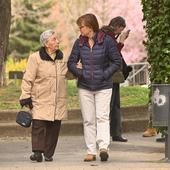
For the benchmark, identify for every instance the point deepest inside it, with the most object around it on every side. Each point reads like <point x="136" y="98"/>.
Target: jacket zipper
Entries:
<point x="91" y="63"/>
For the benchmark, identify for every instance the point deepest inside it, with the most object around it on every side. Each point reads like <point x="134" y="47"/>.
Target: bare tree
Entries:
<point x="72" y="9"/>
<point x="5" y="18"/>
<point x="102" y="9"/>
<point x="105" y="10"/>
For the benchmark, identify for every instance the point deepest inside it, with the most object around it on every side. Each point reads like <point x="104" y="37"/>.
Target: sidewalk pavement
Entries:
<point x="137" y="154"/>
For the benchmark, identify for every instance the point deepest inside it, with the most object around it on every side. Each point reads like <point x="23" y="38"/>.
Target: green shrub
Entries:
<point x="157" y="17"/>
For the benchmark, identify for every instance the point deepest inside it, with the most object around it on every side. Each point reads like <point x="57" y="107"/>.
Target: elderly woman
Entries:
<point x="99" y="59"/>
<point x="44" y="92"/>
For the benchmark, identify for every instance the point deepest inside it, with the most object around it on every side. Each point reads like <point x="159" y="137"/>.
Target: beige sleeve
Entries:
<point x="29" y="77"/>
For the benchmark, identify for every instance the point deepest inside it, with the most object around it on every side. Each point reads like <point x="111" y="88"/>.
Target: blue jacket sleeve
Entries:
<point x="114" y="58"/>
<point x="73" y="60"/>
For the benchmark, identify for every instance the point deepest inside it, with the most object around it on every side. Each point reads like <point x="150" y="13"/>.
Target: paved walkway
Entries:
<point x="137" y="154"/>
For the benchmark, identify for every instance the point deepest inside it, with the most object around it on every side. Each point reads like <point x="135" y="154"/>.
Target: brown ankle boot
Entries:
<point x="90" y="157"/>
<point x="149" y="132"/>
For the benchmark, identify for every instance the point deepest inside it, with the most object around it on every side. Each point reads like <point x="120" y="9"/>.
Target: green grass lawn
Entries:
<point x="134" y="96"/>
<point x="130" y="96"/>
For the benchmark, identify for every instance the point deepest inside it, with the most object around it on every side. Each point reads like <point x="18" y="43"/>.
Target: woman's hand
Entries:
<point x="124" y="36"/>
<point x="79" y="65"/>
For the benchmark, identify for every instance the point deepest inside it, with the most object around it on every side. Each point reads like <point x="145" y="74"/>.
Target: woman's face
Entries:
<point x="85" y="30"/>
<point x="118" y="30"/>
<point x="52" y="43"/>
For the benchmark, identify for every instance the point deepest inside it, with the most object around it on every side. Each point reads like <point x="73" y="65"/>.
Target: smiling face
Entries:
<point x="52" y="44"/>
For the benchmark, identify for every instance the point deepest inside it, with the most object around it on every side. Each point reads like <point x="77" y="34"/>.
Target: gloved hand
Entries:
<point x="26" y="102"/>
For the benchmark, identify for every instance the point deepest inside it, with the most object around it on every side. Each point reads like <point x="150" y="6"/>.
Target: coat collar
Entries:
<point x="44" y="55"/>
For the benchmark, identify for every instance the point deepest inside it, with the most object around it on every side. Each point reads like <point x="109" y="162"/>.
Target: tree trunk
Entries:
<point x="5" y="18"/>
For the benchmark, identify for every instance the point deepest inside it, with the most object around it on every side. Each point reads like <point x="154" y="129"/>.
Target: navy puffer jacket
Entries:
<point x="99" y="62"/>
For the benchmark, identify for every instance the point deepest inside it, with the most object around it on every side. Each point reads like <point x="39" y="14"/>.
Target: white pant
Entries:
<point x="95" y="108"/>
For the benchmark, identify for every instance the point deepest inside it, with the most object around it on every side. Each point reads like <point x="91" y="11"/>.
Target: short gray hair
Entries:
<point x="45" y="36"/>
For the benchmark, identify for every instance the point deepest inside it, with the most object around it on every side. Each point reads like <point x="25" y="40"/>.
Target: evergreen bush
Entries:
<point x="157" y="18"/>
<point x="28" y="22"/>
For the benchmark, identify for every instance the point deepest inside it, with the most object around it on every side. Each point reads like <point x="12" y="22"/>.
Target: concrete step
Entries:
<point x="75" y="114"/>
<point x="127" y="112"/>
<point x="71" y="127"/>
<point x="135" y="119"/>
<point x="128" y="125"/>
<point x="10" y="115"/>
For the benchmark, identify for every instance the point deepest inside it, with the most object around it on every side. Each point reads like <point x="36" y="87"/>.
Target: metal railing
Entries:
<point x="139" y="74"/>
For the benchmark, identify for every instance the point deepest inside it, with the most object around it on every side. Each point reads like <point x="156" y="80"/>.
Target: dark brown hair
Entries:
<point x="117" y="22"/>
<point x="88" y="20"/>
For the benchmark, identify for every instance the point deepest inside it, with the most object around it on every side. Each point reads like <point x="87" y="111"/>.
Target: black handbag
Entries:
<point x="24" y="118"/>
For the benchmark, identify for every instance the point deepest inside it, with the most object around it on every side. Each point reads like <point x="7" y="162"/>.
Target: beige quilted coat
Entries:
<point x="44" y="81"/>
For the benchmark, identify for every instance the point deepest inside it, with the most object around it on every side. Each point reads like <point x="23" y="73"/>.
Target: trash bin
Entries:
<point x="160" y="104"/>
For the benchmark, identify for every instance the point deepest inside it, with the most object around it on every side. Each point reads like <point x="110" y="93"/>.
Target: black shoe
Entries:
<point x="160" y="139"/>
<point x="50" y="159"/>
<point x="119" y="139"/>
<point x="103" y="155"/>
<point x="37" y="156"/>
